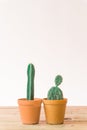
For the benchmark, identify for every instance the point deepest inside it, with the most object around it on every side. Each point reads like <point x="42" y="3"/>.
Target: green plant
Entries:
<point x="55" y="93"/>
<point x="30" y="82"/>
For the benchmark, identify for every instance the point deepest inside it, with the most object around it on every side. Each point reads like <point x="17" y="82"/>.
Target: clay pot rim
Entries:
<point x="48" y="102"/>
<point x="24" y="101"/>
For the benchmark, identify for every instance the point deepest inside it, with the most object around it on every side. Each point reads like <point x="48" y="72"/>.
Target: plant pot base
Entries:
<point x="54" y="111"/>
<point x="29" y="110"/>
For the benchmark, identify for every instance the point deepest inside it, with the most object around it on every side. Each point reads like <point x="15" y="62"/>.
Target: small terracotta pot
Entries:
<point x="29" y="110"/>
<point x="54" y="111"/>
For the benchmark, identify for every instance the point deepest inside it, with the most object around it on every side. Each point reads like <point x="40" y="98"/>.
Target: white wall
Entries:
<point x="52" y="34"/>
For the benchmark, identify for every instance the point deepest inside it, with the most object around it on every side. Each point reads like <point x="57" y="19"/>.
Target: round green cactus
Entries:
<point x="55" y="93"/>
<point x="30" y="82"/>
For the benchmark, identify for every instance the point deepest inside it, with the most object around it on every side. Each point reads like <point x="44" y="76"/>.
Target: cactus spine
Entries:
<point x="55" y="93"/>
<point x="30" y="82"/>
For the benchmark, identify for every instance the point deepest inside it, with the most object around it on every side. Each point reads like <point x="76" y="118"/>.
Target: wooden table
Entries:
<point x="75" y="119"/>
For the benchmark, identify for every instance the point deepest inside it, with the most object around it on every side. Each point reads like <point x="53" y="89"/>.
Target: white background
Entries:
<point x="51" y="34"/>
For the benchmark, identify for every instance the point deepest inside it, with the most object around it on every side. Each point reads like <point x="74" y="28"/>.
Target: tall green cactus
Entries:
<point x="55" y="93"/>
<point x="30" y="82"/>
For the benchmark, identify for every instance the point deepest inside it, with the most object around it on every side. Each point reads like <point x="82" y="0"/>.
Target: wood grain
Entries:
<point x="75" y="119"/>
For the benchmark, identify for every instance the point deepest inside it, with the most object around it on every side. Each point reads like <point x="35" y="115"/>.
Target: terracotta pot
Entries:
<point x="54" y="111"/>
<point x="29" y="110"/>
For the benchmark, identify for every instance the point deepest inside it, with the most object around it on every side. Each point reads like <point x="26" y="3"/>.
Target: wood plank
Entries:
<point x="75" y="119"/>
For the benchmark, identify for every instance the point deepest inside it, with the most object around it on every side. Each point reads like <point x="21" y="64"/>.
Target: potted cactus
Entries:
<point x="55" y="103"/>
<point x="30" y="107"/>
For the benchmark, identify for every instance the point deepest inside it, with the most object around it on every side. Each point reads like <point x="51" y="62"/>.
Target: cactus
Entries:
<point x="55" y="93"/>
<point x="30" y="82"/>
